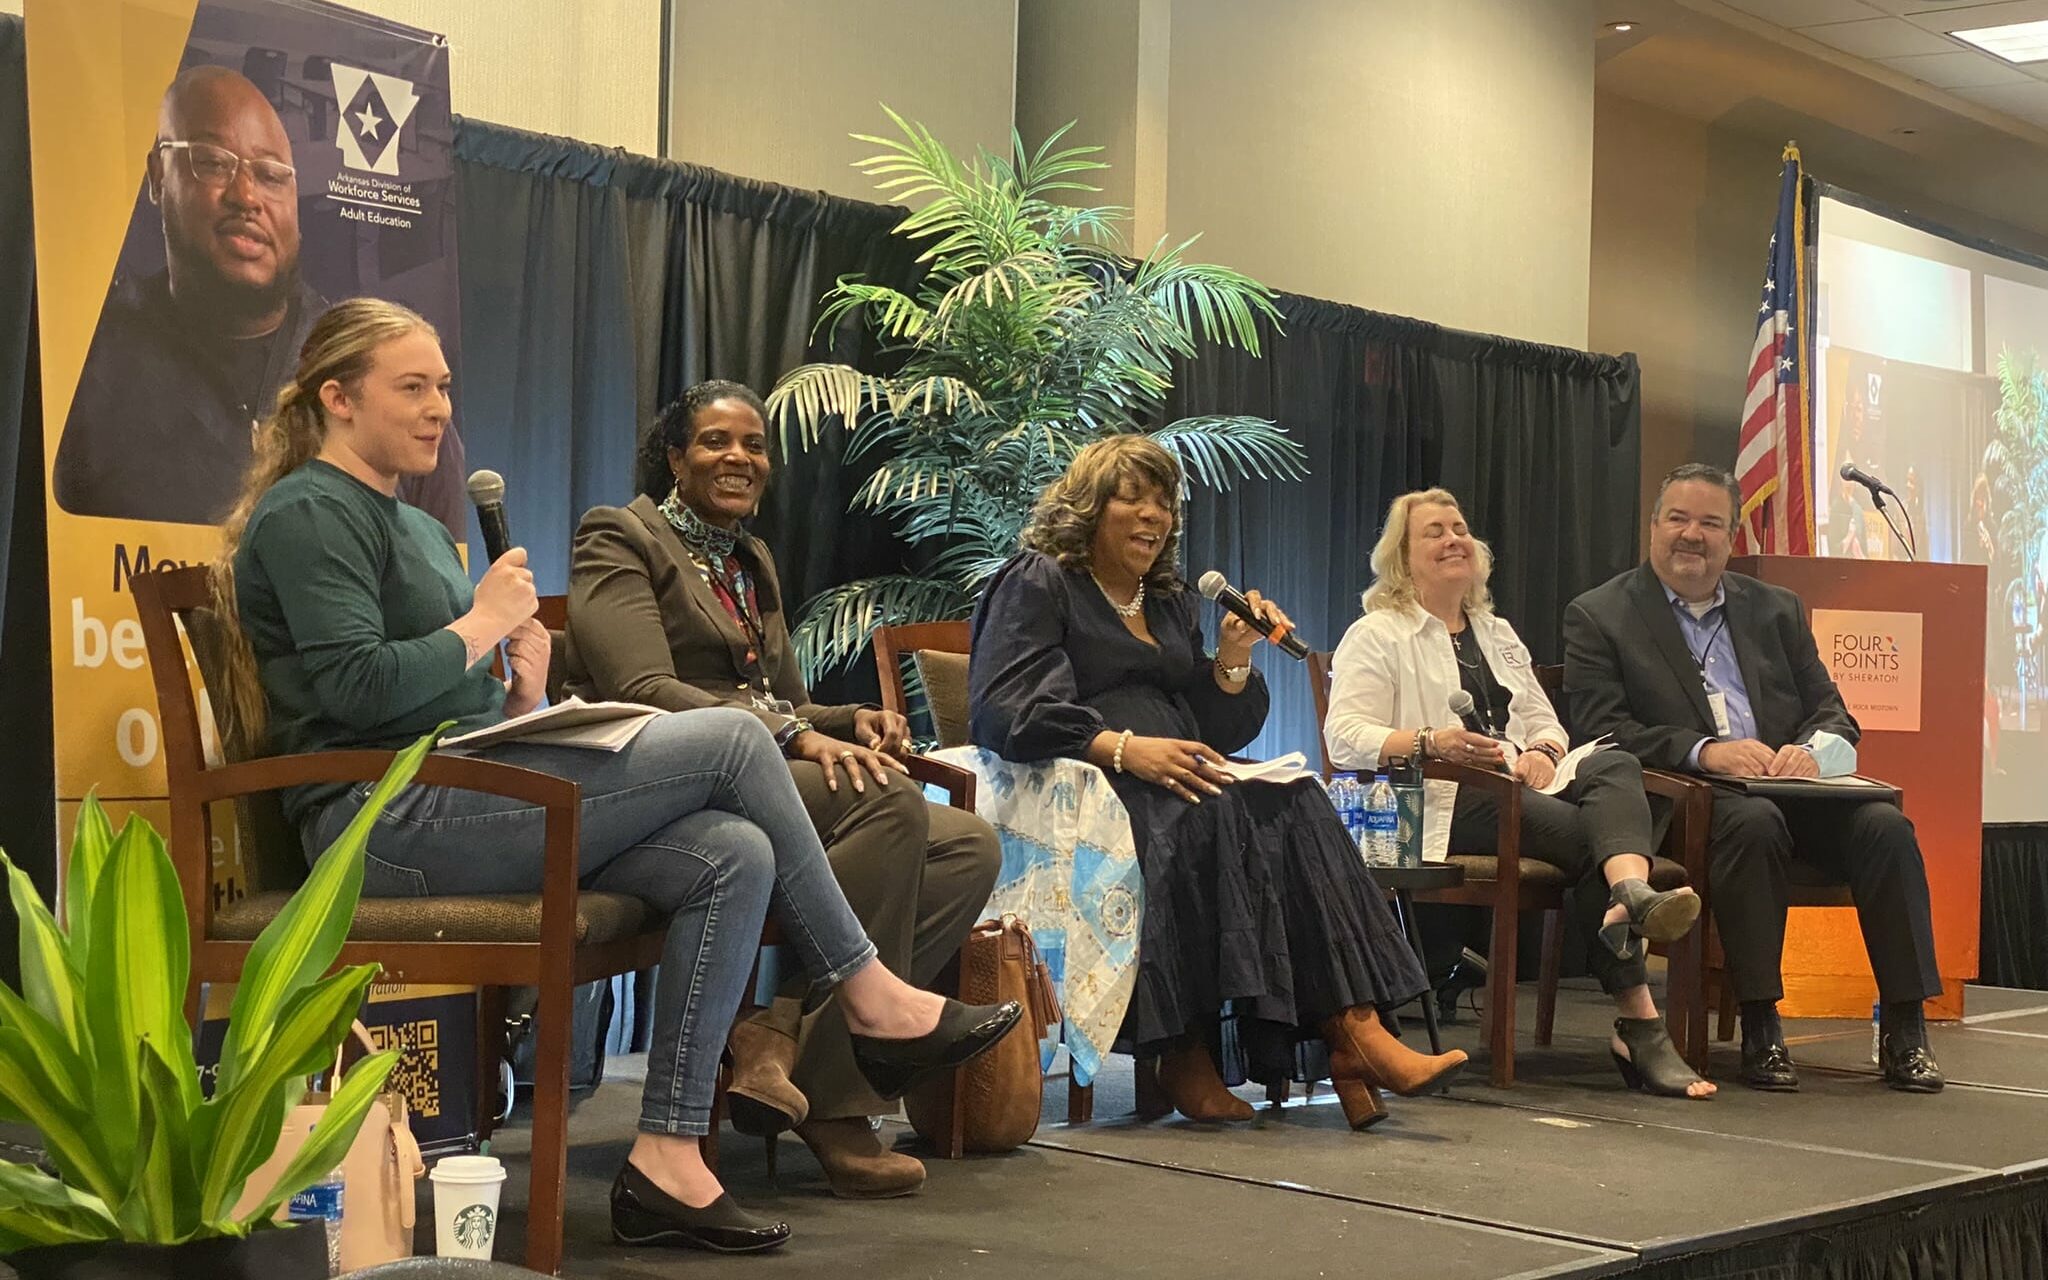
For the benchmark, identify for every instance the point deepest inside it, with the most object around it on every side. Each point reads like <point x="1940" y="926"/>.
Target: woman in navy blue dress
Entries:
<point x="1087" y="645"/>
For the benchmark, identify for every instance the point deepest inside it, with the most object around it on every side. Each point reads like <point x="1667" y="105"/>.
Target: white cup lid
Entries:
<point x="468" y="1169"/>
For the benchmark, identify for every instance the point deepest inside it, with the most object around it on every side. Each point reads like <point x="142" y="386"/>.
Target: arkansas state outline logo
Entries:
<point x="374" y="110"/>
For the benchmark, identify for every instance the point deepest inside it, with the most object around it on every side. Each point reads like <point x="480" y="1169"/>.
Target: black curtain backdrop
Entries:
<point x="2013" y="929"/>
<point x="1541" y="444"/>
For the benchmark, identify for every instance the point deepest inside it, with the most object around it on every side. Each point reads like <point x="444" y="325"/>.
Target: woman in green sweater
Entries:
<point x="359" y="628"/>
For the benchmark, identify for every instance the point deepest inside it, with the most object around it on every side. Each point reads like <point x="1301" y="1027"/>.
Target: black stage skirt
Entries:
<point x="1257" y="907"/>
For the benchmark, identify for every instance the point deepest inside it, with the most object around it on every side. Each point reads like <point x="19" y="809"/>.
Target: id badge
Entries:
<point x="774" y="706"/>
<point x="1717" y="702"/>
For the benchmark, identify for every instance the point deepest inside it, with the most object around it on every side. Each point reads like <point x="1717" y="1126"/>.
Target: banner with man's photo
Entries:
<point x="208" y="178"/>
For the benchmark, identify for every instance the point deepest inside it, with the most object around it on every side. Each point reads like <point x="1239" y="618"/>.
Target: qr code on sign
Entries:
<point x="418" y="1074"/>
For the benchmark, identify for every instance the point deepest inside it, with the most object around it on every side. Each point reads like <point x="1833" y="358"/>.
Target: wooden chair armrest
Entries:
<point x="1506" y="789"/>
<point x="957" y="783"/>
<point x="466" y="773"/>
<point x="1675" y="786"/>
<point x="1692" y="814"/>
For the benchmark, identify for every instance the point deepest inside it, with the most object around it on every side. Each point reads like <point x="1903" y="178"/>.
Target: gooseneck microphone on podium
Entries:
<point x="1216" y="587"/>
<point x="1878" y="489"/>
<point x="487" y="492"/>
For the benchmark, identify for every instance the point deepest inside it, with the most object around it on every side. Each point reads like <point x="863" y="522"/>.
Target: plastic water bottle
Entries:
<point x="1345" y="799"/>
<point x="1382" y="824"/>
<point x="321" y="1203"/>
<point x="1876" y="1033"/>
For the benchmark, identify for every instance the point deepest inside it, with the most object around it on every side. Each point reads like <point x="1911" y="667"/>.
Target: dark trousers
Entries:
<point x="1601" y="814"/>
<point x="918" y="876"/>
<point x="1869" y="845"/>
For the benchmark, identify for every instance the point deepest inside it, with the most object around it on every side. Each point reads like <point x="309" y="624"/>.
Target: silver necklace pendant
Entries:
<point x="1131" y="610"/>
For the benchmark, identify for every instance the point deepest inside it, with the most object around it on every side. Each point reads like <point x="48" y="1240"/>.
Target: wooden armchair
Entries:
<point x="1508" y="884"/>
<point x="551" y="940"/>
<point x="940" y="651"/>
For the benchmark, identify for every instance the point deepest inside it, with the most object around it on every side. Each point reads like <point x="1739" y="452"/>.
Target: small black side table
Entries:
<point x="1402" y="882"/>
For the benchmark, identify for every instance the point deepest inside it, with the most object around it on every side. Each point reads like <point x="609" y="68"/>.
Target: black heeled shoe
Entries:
<point x="1652" y="916"/>
<point x="644" y="1214"/>
<point x="964" y="1032"/>
<point x="1653" y="1064"/>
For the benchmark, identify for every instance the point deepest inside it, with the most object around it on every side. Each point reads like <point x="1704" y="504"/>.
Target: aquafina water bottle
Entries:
<point x="1382" y="824"/>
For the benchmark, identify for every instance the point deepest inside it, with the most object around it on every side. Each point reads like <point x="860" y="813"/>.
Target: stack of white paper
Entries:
<point x="572" y="722"/>
<point x="1280" y="770"/>
<point x="1568" y="768"/>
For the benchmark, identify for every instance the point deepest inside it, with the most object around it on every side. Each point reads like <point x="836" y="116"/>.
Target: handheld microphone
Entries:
<point x="1216" y="587"/>
<point x="1857" y="475"/>
<point x="487" y="491"/>
<point x="1467" y="711"/>
<point x="1462" y="705"/>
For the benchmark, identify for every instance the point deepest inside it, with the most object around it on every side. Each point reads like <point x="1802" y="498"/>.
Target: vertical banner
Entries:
<point x="208" y="177"/>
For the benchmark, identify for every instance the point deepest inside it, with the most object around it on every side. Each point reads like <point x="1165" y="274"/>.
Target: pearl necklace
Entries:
<point x="1131" y="610"/>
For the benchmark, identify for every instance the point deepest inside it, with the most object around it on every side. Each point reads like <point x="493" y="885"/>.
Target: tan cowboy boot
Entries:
<point x="763" y="1100"/>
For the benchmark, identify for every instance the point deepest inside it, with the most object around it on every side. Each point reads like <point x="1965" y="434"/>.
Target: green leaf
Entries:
<point x="141" y="959"/>
<point x="238" y="1128"/>
<point x="331" y="1138"/>
<point x="37" y="1209"/>
<point x="90" y="841"/>
<point x="72" y="1136"/>
<point x="163" y="1198"/>
<point x="48" y="981"/>
<point x="303" y="941"/>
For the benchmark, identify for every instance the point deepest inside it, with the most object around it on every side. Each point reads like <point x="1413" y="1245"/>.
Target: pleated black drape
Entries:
<point x="2013" y="931"/>
<point x="28" y="820"/>
<point x="1541" y="444"/>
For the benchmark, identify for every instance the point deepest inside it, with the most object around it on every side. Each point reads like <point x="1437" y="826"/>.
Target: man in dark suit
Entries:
<point x="1697" y="670"/>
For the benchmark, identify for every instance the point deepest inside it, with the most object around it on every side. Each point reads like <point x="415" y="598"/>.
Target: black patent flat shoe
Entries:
<point x="1910" y="1068"/>
<point x="1652" y="916"/>
<point x="1653" y="1064"/>
<point x="644" y="1214"/>
<point x="1769" y="1067"/>
<point x="964" y="1032"/>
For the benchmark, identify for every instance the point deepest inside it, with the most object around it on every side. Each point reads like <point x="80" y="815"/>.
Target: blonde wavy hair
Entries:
<point x="1393" y="585"/>
<point x="341" y="348"/>
<point x="1063" y="520"/>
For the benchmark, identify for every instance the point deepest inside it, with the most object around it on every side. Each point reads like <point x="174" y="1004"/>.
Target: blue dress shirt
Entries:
<point x="1712" y="647"/>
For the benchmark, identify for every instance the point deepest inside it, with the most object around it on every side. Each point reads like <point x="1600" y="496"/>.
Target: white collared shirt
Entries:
<point x="1396" y="670"/>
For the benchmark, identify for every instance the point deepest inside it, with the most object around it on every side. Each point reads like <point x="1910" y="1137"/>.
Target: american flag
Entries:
<point x="1774" y="452"/>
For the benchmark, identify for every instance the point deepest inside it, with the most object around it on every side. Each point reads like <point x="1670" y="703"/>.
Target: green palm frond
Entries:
<point x="1029" y="337"/>
<point x="836" y="625"/>
<point x="1218" y="451"/>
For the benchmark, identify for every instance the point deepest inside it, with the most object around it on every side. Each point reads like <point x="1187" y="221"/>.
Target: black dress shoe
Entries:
<point x="644" y="1214"/>
<point x="1910" y="1068"/>
<point x="1768" y="1066"/>
<point x="964" y="1031"/>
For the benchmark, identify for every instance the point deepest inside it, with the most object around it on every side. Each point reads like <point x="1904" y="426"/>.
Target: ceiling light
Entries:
<point x="2014" y="42"/>
<point x="1621" y="26"/>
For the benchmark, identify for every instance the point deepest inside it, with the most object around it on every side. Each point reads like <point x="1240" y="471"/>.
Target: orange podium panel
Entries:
<point x="1905" y="644"/>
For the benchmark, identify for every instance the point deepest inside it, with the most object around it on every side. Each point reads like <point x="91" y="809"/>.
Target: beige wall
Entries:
<point x="589" y="69"/>
<point x="1432" y="160"/>
<point x="771" y="88"/>
<point x="1681" y="220"/>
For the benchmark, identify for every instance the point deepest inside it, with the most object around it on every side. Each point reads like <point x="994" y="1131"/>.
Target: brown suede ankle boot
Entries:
<point x="856" y="1163"/>
<point x="763" y="1100"/>
<point x="1188" y="1078"/>
<point x="1370" y="1052"/>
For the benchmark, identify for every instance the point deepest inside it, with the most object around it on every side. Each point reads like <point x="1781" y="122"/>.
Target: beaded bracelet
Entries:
<point x="1118" y="759"/>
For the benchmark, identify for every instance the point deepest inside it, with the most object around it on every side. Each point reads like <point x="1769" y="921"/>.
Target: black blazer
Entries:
<point x="1628" y="673"/>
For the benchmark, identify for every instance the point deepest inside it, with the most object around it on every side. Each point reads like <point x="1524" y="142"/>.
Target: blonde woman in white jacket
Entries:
<point x="1429" y="633"/>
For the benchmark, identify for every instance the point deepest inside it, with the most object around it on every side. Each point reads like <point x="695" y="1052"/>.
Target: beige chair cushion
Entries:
<point x="1664" y="873"/>
<point x="945" y="692"/>
<point x="600" y="917"/>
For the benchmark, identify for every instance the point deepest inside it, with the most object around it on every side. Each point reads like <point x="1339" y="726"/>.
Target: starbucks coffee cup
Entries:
<point x="466" y="1205"/>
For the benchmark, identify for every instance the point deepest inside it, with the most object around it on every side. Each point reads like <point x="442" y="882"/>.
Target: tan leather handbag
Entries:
<point x="378" y="1175"/>
<point x="1004" y="1087"/>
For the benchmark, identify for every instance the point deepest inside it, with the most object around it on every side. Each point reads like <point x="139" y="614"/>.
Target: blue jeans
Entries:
<point x="698" y="818"/>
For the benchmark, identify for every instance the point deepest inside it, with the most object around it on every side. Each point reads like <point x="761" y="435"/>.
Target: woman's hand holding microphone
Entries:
<point x="503" y="608"/>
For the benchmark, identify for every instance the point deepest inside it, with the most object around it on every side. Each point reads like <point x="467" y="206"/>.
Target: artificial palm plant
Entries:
<point x="1030" y="335"/>
<point x="95" y="1053"/>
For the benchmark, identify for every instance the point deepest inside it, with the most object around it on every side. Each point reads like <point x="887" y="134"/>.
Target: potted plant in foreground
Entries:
<point x="95" y="1054"/>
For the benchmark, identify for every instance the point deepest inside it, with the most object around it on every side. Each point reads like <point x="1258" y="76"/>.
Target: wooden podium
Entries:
<point x="1905" y="643"/>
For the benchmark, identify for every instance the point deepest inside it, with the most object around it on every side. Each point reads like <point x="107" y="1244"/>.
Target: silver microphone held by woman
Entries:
<point x="1216" y="587"/>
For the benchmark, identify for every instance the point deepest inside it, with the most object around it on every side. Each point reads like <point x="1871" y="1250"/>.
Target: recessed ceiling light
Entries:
<point x="1621" y="26"/>
<point x="2014" y="42"/>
